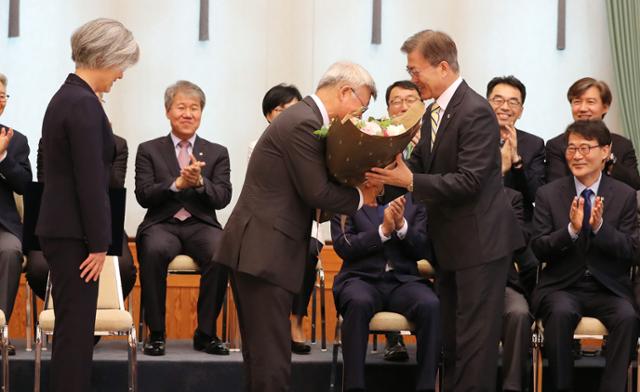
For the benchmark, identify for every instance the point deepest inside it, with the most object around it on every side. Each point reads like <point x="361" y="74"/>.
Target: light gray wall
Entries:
<point x="256" y="44"/>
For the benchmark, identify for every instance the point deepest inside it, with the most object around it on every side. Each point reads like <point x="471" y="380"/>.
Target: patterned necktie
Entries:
<point x="586" y="195"/>
<point x="435" y="119"/>
<point x="183" y="161"/>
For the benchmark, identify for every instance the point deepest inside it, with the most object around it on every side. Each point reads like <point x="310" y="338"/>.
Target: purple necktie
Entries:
<point x="183" y="161"/>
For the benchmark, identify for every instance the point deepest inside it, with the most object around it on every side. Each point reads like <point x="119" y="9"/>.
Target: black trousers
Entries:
<point x="301" y="300"/>
<point x="10" y="270"/>
<point x="472" y="302"/>
<point x="561" y="311"/>
<point x="263" y="313"/>
<point x="75" y="303"/>
<point x="157" y="246"/>
<point x="360" y="299"/>
<point x="37" y="270"/>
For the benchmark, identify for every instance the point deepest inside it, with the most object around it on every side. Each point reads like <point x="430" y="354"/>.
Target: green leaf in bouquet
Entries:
<point x="322" y="132"/>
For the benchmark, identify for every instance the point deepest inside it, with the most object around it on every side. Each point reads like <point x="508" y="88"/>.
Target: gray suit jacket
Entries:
<point x="268" y="232"/>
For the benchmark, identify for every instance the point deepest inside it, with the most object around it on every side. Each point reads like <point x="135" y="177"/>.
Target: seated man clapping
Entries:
<point x="380" y="247"/>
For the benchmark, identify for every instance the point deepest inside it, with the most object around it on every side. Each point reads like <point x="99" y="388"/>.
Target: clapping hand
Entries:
<point x="595" y="220"/>
<point x="190" y="176"/>
<point x="5" y="138"/>
<point x="576" y="214"/>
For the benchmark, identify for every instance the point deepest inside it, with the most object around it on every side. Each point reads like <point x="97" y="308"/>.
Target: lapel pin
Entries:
<point x="448" y="116"/>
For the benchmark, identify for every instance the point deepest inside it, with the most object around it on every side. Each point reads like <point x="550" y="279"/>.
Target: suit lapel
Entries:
<point x="372" y="215"/>
<point x="447" y="116"/>
<point x="169" y="153"/>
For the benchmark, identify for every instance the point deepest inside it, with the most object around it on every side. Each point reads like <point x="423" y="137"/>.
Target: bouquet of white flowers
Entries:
<point x="356" y="145"/>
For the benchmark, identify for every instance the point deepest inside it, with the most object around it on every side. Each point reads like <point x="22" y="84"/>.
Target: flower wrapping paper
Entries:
<point x="350" y="153"/>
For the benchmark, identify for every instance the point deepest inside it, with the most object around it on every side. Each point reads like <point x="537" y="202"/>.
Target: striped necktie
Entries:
<point x="435" y="119"/>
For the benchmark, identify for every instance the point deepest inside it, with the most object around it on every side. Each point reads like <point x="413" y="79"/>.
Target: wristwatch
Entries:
<point x="410" y="186"/>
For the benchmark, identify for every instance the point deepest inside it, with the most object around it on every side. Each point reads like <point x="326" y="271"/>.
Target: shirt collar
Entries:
<point x="445" y="97"/>
<point x="177" y="140"/>
<point x="581" y="187"/>
<point x="323" y="110"/>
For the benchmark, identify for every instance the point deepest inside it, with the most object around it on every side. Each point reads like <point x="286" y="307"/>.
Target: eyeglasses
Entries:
<point x="410" y="100"/>
<point x="364" y="107"/>
<point x="4" y="97"/>
<point x="584" y="149"/>
<point x="499" y="101"/>
<point x="414" y="72"/>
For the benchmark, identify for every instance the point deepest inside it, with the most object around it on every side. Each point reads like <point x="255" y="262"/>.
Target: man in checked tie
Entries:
<point x="455" y="172"/>
<point x="182" y="179"/>
<point x="585" y="229"/>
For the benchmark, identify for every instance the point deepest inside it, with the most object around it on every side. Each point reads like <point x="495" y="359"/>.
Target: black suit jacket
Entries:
<point x="78" y="148"/>
<point x="530" y="176"/>
<point x="625" y="169"/>
<point x="15" y="174"/>
<point x="118" y="168"/>
<point x="460" y="182"/>
<point x="608" y="254"/>
<point x="364" y="254"/>
<point x="267" y="234"/>
<point x="157" y="168"/>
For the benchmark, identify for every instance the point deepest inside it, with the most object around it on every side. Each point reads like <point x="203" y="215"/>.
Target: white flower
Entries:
<point x="371" y="128"/>
<point x="395" y="130"/>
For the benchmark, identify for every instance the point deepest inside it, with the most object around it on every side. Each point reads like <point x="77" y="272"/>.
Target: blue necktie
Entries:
<point x="381" y="212"/>
<point x="586" y="195"/>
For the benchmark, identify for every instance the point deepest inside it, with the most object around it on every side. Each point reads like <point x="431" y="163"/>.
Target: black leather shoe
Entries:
<point x="209" y="345"/>
<point x="154" y="346"/>
<point x="396" y="353"/>
<point x="300" y="348"/>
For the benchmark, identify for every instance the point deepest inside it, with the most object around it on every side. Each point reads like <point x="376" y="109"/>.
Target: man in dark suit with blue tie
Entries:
<point x="585" y="229"/>
<point x="380" y="247"/>
<point x="455" y="172"/>
<point x="182" y="179"/>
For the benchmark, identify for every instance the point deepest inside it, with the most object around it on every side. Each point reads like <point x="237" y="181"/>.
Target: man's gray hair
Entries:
<point x="3" y="79"/>
<point x="185" y="87"/>
<point x="350" y="73"/>
<point x="104" y="43"/>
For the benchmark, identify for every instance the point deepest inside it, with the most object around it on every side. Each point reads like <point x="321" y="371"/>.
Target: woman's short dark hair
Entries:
<point x="279" y="95"/>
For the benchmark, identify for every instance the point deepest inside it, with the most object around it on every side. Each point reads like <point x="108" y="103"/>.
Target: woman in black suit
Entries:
<point x="74" y="225"/>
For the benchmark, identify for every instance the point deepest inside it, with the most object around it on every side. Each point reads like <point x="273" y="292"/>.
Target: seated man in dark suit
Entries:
<point x="37" y="269"/>
<point x="15" y="173"/>
<point x="380" y="247"/>
<point x="591" y="99"/>
<point x="182" y="179"/>
<point x="585" y="229"/>
<point x="522" y="172"/>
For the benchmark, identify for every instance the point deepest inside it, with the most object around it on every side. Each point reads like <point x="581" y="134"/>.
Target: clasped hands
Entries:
<point x="576" y="214"/>
<point x="393" y="219"/>
<point x="191" y="176"/>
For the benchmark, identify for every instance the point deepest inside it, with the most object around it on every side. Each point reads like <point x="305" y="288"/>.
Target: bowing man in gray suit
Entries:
<point x="265" y="241"/>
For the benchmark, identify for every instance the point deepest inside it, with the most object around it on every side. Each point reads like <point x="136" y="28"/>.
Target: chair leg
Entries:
<point x="225" y="314"/>
<point x="630" y="378"/>
<point x="323" y="313"/>
<point x="314" y="315"/>
<point x="337" y="343"/>
<point x="375" y="343"/>
<point x="141" y="325"/>
<point x="28" y="326"/>
<point x="38" y="361"/>
<point x="133" y="362"/>
<point x="4" y="341"/>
